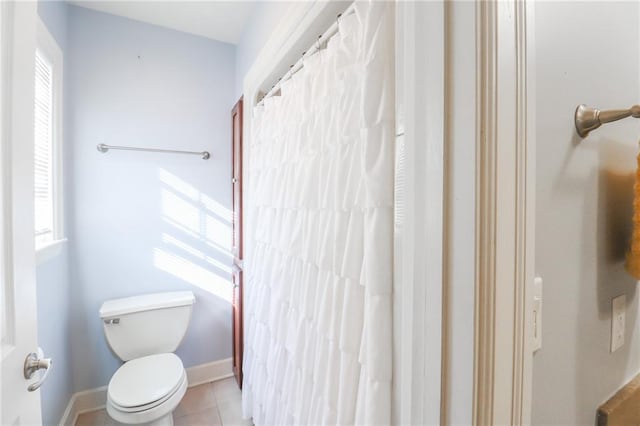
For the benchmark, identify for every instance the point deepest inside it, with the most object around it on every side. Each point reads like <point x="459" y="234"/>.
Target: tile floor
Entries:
<point x="217" y="403"/>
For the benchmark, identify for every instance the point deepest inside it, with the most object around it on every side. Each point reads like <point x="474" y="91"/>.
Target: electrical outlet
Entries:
<point x="618" y="306"/>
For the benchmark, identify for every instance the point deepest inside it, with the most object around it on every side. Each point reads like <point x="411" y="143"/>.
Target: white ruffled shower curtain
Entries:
<point x="318" y="294"/>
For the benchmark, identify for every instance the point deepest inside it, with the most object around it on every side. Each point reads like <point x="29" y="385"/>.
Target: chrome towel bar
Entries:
<point x="588" y="118"/>
<point x="104" y="148"/>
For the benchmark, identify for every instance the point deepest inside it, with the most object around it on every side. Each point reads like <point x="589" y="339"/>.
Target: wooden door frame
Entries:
<point x="237" y="110"/>
<point x="505" y="212"/>
<point x="237" y="355"/>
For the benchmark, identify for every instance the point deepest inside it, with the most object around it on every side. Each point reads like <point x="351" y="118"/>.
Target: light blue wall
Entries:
<point x="53" y="334"/>
<point x="262" y="22"/>
<point x="53" y="278"/>
<point x="54" y="15"/>
<point x="148" y="222"/>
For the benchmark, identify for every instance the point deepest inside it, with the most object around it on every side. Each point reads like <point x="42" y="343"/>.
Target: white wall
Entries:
<point x="586" y="52"/>
<point x="264" y="19"/>
<point x="148" y="222"/>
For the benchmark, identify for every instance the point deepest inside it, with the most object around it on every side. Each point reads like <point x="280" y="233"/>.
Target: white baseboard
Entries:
<point x="209" y="372"/>
<point x="95" y="399"/>
<point x="82" y="402"/>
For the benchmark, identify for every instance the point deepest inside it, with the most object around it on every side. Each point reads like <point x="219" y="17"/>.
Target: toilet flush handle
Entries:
<point x="112" y="321"/>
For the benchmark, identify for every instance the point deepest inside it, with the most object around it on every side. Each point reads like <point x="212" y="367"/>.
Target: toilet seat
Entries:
<point x="146" y="388"/>
<point x="145" y="381"/>
<point x="150" y="405"/>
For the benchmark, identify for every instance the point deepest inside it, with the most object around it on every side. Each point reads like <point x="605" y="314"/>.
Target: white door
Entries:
<point x="18" y="405"/>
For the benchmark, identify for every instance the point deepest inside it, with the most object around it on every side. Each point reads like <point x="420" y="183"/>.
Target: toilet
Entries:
<point x="144" y="331"/>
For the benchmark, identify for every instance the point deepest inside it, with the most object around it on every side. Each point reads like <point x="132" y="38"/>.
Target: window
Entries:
<point x="47" y="141"/>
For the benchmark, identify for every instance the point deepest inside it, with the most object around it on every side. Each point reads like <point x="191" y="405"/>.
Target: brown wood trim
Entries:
<point x="236" y="161"/>
<point x="623" y="408"/>
<point x="237" y="331"/>
<point x="237" y="335"/>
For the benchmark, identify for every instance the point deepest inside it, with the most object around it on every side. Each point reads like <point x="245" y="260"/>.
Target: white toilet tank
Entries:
<point x="148" y="324"/>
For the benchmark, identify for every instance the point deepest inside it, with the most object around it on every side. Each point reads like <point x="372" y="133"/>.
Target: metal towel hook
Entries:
<point x="588" y="118"/>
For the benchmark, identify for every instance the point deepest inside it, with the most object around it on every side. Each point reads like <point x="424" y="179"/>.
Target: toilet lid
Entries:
<point x="145" y="380"/>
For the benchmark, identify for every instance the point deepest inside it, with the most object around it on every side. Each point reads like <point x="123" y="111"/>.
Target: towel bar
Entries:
<point x="588" y="118"/>
<point x="104" y="148"/>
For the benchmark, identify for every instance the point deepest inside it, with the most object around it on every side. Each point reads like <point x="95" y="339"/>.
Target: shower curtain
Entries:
<point x="320" y="211"/>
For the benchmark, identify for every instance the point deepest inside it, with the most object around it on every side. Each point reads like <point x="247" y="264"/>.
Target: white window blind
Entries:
<point x="43" y="152"/>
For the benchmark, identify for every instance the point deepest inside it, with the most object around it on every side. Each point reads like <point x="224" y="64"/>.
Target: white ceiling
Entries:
<point x="218" y="20"/>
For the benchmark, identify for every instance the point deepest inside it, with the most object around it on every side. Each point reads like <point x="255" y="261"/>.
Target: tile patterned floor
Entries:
<point x="217" y="403"/>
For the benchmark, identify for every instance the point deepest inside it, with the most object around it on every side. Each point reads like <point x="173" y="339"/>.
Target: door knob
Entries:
<point x="234" y="180"/>
<point x="34" y="363"/>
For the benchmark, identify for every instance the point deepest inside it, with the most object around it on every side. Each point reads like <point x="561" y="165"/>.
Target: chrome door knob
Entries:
<point x="234" y="180"/>
<point x="32" y="364"/>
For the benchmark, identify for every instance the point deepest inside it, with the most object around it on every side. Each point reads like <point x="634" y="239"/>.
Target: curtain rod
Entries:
<point x="104" y="148"/>
<point x="330" y="32"/>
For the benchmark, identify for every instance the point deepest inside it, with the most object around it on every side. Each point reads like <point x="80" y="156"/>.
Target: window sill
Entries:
<point x="49" y="251"/>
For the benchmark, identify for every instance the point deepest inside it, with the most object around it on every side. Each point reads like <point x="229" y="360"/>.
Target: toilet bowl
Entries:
<point x="144" y="331"/>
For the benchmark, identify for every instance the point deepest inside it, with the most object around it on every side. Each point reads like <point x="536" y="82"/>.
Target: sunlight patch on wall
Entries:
<point x="190" y="192"/>
<point x="200" y="225"/>
<point x="217" y="232"/>
<point x="198" y="254"/>
<point x="180" y="211"/>
<point x="195" y="213"/>
<point x="224" y="251"/>
<point x="193" y="274"/>
<point x="178" y="184"/>
<point x="213" y="206"/>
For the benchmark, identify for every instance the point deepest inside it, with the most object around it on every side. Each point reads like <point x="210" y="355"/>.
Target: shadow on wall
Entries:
<point x="196" y="226"/>
<point x="615" y="213"/>
<point x="609" y="198"/>
<point x="602" y="173"/>
<point x="616" y="191"/>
